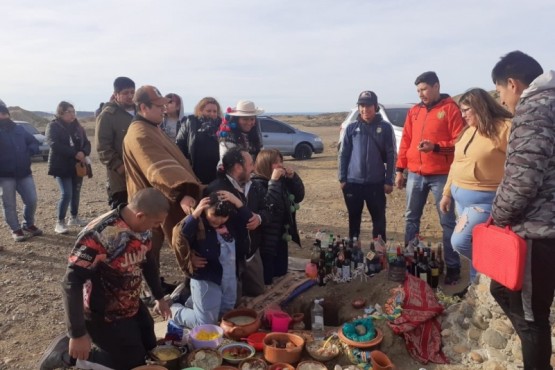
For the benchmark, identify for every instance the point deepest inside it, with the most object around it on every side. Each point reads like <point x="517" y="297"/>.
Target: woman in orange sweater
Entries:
<point x="477" y="168"/>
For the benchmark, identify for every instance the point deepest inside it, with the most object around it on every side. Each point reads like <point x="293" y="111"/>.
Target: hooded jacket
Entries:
<point x="367" y="154"/>
<point x="111" y="127"/>
<point x="65" y="140"/>
<point x="16" y="148"/>
<point x="152" y="160"/>
<point x="181" y="118"/>
<point x="440" y="123"/>
<point x="525" y="197"/>
<point x="198" y="141"/>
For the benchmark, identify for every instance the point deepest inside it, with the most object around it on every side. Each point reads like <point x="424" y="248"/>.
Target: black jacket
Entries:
<point x="65" y="141"/>
<point x="16" y="148"/>
<point x="282" y="210"/>
<point x="199" y="143"/>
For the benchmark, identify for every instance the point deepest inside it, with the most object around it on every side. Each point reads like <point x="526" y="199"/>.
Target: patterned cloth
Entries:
<point x="418" y="323"/>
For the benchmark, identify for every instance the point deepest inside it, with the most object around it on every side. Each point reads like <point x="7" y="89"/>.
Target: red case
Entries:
<point x="499" y="253"/>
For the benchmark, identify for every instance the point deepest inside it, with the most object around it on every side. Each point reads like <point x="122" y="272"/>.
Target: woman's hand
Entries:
<point x="203" y="204"/>
<point x="289" y="172"/>
<point x="445" y="204"/>
<point x="198" y="261"/>
<point x="229" y="197"/>
<point x="187" y="203"/>
<point x="79" y="348"/>
<point x="277" y="174"/>
<point x="80" y="156"/>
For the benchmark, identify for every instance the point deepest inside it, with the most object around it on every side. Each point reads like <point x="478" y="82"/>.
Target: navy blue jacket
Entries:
<point x="209" y="247"/>
<point x="16" y="148"/>
<point x="368" y="153"/>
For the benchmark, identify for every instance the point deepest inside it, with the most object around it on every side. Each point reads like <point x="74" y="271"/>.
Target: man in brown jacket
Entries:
<point x="111" y="127"/>
<point x="151" y="159"/>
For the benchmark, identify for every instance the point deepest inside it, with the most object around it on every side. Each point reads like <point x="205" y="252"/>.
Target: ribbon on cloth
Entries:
<point x="418" y="322"/>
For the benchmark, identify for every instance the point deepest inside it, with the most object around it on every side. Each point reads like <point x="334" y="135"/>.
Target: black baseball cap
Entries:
<point x="367" y="98"/>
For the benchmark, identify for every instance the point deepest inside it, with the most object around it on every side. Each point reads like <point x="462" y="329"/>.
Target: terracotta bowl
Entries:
<point x="273" y="354"/>
<point x="358" y="303"/>
<point x="224" y="367"/>
<point x="281" y="366"/>
<point x="371" y="343"/>
<point x="236" y="330"/>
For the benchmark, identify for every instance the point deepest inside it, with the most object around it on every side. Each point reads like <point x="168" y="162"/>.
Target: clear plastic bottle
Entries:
<point x="317" y="317"/>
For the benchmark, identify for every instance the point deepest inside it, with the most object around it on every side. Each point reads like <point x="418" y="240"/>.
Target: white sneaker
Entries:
<point x="76" y="221"/>
<point x="60" y="228"/>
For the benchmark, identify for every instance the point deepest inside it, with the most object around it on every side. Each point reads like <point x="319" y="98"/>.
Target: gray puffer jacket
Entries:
<point x="526" y="196"/>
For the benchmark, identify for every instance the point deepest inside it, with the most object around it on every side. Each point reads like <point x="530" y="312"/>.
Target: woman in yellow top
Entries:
<point x="478" y="166"/>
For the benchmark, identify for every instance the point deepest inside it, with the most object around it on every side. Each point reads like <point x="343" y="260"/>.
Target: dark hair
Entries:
<point x="429" y="78"/>
<point x="203" y="103"/>
<point x="264" y="161"/>
<point x="150" y="201"/>
<point x="254" y="137"/>
<point x="222" y="208"/>
<point x="232" y="157"/>
<point x="62" y="108"/>
<point x="518" y="66"/>
<point x="174" y="98"/>
<point x="489" y="113"/>
<point x="122" y="83"/>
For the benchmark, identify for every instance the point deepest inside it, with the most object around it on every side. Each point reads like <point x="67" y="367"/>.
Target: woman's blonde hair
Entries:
<point x="264" y="161"/>
<point x="203" y="103"/>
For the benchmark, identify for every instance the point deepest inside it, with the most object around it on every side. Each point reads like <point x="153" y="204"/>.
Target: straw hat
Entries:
<point x="245" y="108"/>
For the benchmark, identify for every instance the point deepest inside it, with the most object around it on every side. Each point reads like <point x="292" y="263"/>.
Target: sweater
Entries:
<point x="440" y="123"/>
<point x="479" y="161"/>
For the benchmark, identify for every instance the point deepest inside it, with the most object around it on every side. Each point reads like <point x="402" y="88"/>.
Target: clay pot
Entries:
<point x="281" y="365"/>
<point x="380" y="361"/>
<point x="238" y="331"/>
<point x="273" y="354"/>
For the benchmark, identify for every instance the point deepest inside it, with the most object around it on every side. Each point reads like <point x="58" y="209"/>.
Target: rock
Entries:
<point x="493" y="365"/>
<point x="476" y="357"/>
<point x="360" y="329"/>
<point x="463" y="322"/>
<point x="484" y="312"/>
<point x="479" y="322"/>
<point x="493" y="339"/>
<point x="446" y="332"/>
<point x="474" y="333"/>
<point x="502" y="327"/>
<point x="461" y="348"/>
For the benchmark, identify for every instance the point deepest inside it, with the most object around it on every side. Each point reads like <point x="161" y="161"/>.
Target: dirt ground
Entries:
<point x="31" y="311"/>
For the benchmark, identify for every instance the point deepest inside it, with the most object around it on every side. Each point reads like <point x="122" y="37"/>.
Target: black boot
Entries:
<point x="453" y="276"/>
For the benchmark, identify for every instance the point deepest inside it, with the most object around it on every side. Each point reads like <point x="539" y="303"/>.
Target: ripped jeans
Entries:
<point x="473" y="207"/>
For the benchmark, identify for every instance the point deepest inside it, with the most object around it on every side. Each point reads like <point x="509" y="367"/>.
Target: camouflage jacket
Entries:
<point x="526" y="196"/>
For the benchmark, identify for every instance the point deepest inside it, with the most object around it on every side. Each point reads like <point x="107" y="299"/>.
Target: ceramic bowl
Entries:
<point x="281" y="366"/>
<point x="200" y="343"/>
<point x="236" y="352"/>
<point x="316" y="351"/>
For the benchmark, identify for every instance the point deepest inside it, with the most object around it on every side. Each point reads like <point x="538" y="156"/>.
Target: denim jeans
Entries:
<point x="70" y="188"/>
<point x="418" y="188"/>
<point x="473" y="207"/>
<point x="26" y="188"/>
<point x="209" y="300"/>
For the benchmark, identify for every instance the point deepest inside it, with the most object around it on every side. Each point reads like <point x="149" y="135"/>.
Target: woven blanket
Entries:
<point x="418" y="323"/>
<point x="282" y="291"/>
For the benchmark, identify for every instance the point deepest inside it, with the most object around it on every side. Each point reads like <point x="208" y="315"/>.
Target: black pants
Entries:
<point x="535" y="335"/>
<point x="373" y="194"/>
<point x="275" y="265"/>
<point x="123" y="344"/>
<point x="116" y="199"/>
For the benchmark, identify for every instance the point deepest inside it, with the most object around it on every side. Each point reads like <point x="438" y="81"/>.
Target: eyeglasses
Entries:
<point x="161" y="106"/>
<point x="465" y="110"/>
<point x="69" y="111"/>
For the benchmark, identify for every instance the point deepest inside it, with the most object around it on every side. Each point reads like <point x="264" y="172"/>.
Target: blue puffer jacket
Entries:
<point x="368" y="153"/>
<point x="16" y="148"/>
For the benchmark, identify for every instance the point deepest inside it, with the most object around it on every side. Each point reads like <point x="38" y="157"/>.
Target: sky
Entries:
<point x="285" y="55"/>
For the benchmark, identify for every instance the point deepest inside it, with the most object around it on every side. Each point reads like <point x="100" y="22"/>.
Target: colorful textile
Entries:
<point x="418" y="323"/>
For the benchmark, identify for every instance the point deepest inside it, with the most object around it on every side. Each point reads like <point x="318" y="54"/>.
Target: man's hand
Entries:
<point x="342" y="185"/>
<point x="254" y="221"/>
<point x="197" y="212"/>
<point x="163" y="309"/>
<point x="445" y="204"/>
<point x="399" y="180"/>
<point x="187" y="203"/>
<point x="426" y="146"/>
<point x="198" y="261"/>
<point x="79" y="348"/>
<point x="224" y="195"/>
<point x="121" y="169"/>
<point x="387" y="189"/>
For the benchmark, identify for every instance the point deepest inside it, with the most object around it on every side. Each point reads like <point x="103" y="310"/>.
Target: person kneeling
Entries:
<point x="212" y="243"/>
<point x="101" y="290"/>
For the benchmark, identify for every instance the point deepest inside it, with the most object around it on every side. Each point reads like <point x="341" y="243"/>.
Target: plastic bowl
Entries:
<point x="199" y="343"/>
<point x="257" y="340"/>
<point x="248" y="351"/>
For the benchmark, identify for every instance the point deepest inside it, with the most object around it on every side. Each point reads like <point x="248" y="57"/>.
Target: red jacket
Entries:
<point x="441" y="124"/>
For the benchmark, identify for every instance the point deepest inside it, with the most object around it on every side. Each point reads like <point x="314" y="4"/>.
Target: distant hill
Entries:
<point x="40" y="119"/>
